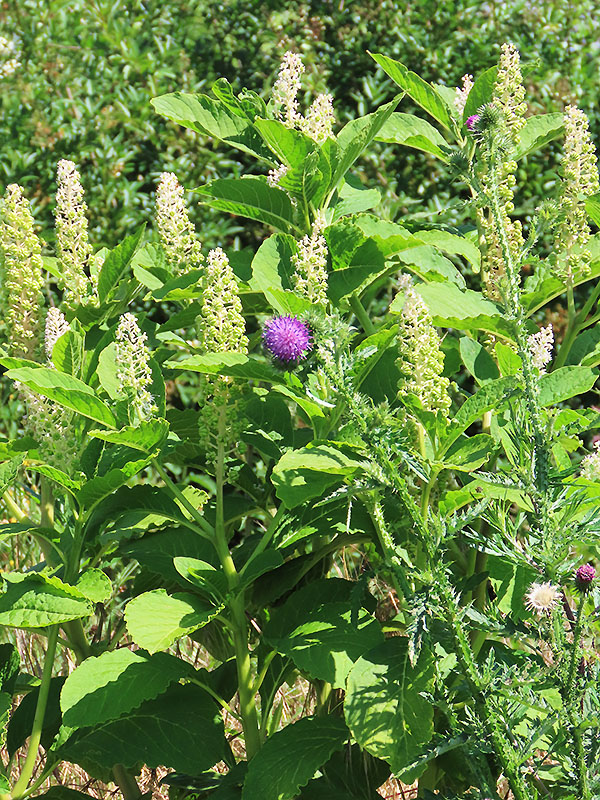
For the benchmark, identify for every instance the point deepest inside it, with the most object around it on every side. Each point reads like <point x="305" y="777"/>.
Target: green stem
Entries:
<point x="205" y="529"/>
<point x="126" y="783"/>
<point x="574" y="661"/>
<point x="38" y="720"/>
<point x="361" y="314"/>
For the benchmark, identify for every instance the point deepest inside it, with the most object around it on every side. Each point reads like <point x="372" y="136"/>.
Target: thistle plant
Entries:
<point x="74" y="249"/>
<point x="177" y="234"/>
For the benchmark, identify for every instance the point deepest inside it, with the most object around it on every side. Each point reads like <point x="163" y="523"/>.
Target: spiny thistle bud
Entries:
<point x="472" y="121"/>
<point x="462" y="94"/>
<point x="509" y="92"/>
<point x="133" y="367"/>
<point x="421" y="361"/>
<point x="177" y="233"/>
<point x="590" y="464"/>
<point x="540" y="345"/>
<point x="542" y="598"/>
<point x="310" y="261"/>
<point x="584" y="577"/>
<point x="56" y="326"/>
<point x="23" y="281"/>
<point x="319" y="120"/>
<point x="286" y="88"/>
<point x="74" y="250"/>
<point x="222" y="325"/>
<point x="288" y="339"/>
<point x="579" y="180"/>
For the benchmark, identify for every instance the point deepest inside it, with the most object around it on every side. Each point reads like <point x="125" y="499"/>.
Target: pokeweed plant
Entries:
<point x="310" y="420"/>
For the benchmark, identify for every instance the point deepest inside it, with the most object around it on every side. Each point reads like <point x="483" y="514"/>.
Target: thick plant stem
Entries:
<point x="38" y="721"/>
<point x="248" y="712"/>
<point x="126" y="783"/>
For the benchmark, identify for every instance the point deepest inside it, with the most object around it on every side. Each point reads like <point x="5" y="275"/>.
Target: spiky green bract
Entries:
<point x="23" y="282"/>
<point x="133" y="368"/>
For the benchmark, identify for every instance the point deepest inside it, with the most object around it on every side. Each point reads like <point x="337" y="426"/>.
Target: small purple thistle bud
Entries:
<point x="287" y="338"/>
<point x="584" y="577"/>
<point x="472" y="122"/>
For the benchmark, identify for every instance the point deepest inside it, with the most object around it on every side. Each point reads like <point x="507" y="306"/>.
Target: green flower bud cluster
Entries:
<point x="133" y="367"/>
<point x="421" y="360"/>
<point x="74" y="249"/>
<point x="23" y="282"/>
<point x="177" y="233"/>
<point x="310" y="260"/>
<point x="579" y="180"/>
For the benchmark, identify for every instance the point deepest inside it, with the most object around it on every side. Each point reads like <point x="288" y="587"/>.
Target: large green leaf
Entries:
<point x="272" y="266"/>
<point x="21" y="722"/>
<point x="102" y="486"/>
<point x="234" y="365"/>
<point x="419" y="90"/>
<point x="252" y="198"/>
<point x="147" y="436"/>
<point x="356" y="136"/>
<point x="157" y="551"/>
<point x="115" y="683"/>
<point x="36" y="601"/>
<point x="302" y="475"/>
<point x="566" y="382"/>
<point x="290" y="758"/>
<point x="156" y="619"/>
<point x="384" y="706"/>
<point x="411" y="131"/>
<point x="481" y="92"/>
<point x="65" y="390"/>
<point x="116" y="265"/>
<point x="317" y="629"/>
<point x="181" y="729"/>
<point x="491" y="396"/>
<point x="205" y="115"/>
<point x="350" y="774"/>
<point x="537" y="132"/>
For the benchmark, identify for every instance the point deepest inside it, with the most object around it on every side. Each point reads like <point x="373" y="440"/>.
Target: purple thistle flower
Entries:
<point x="288" y="339"/>
<point x="584" y="576"/>
<point x="472" y="121"/>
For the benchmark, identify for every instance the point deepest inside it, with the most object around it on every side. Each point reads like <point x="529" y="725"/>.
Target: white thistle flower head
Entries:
<point x="74" y="250"/>
<point x="276" y="174"/>
<point x="23" y="267"/>
<point x="286" y="88"/>
<point x="223" y="328"/>
<point x="421" y="361"/>
<point x="541" y="345"/>
<point x="133" y="366"/>
<point x="177" y="233"/>
<point x="462" y="93"/>
<point x="310" y="260"/>
<point x="590" y="464"/>
<point x="319" y="120"/>
<point x="542" y="598"/>
<point x="56" y="326"/>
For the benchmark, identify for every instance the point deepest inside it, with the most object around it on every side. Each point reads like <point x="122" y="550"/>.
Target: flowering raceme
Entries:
<point x="177" y="233"/>
<point x="133" y="366"/>
<point x="310" y="261"/>
<point x="540" y="345"/>
<point x="462" y="94"/>
<point x="222" y="324"/>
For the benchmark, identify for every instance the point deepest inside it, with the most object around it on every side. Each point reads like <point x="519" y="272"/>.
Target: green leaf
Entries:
<point x="353" y="201"/>
<point x="290" y="758"/>
<point x="415" y="87"/>
<point x="411" y="131"/>
<point x="316" y="629"/>
<point x="180" y="729"/>
<point x="585" y="350"/>
<point x="564" y="383"/>
<point x="95" y="585"/>
<point x="9" y="471"/>
<point x="210" y="117"/>
<point x="147" y="436"/>
<point x="116" y="265"/>
<point x="481" y="92"/>
<point x="452" y="244"/>
<point x="272" y="266"/>
<point x="115" y="683"/>
<point x="350" y="774"/>
<point x="302" y="475"/>
<point x="158" y="551"/>
<point x="67" y="353"/>
<point x="206" y="578"/>
<point x="491" y="396"/>
<point x="96" y="489"/>
<point x="537" y="132"/>
<point x="36" y="601"/>
<point x="478" y="361"/>
<point x="234" y="365"/>
<point x="469" y="453"/>
<point x="356" y="136"/>
<point x="155" y="619"/>
<point x="63" y="793"/>
<point x="384" y="706"/>
<point x="592" y="207"/>
<point x="65" y="390"/>
<point x="22" y="718"/>
<point x="10" y="663"/>
<point x="509" y="362"/>
<point x="252" y="198"/>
